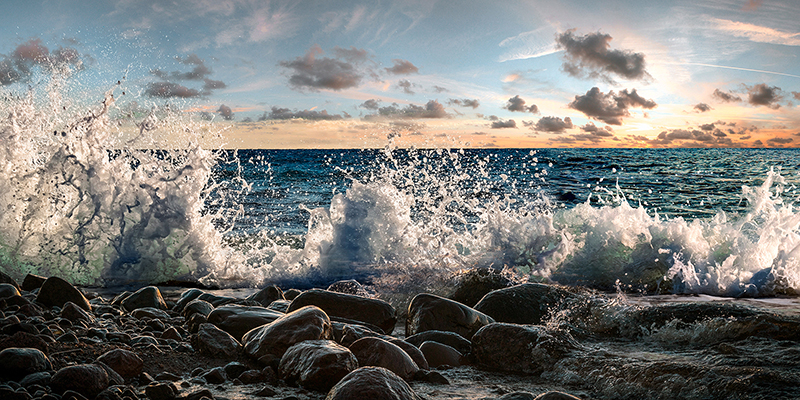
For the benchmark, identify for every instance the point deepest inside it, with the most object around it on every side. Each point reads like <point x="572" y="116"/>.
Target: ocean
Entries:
<point x="90" y="202"/>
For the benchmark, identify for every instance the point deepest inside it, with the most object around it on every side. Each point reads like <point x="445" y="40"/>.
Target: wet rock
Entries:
<point x="429" y="312"/>
<point x="291" y="294"/>
<point x="431" y="376"/>
<point x="350" y="333"/>
<point x="439" y="354"/>
<point x="280" y="305"/>
<point x="148" y="296"/>
<point x="412" y="351"/>
<point x="162" y="391"/>
<point x="451" y="339"/>
<point x="267" y="295"/>
<point x="215" y="376"/>
<point x="554" y="396"/>
<point x="125" y="362"/>
<point x="201" y="307"/>
<point x="186" y="298"/>
<point x="72" y="312"/>
<point x="376" y="352"/>
<point x="238" y="320"/>
<point x="521" y="348"/>
<point x="475" y="283"/>
<point x="233" y="369"/>
<point x="5" y="278"/>
<point x="517" y="396"/>
<point x="528" y="303"/>
<point x="307" y="323"/>
<point x="16" y="362"/>
<point x="370" y="383"/>
<point x="316" y="364"/>
<point x="350" y="286"/>
<point x="55" y="292"/>
<point x="86" y="379"/>
<point x="149" y="312"/>
<point x="214" y="342"/>
<point x="371" y="311"/>
<point x="32" y="282"/>
<point x="8" y="290"/>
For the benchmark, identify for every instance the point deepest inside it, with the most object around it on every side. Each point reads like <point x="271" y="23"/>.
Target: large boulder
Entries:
<point x="148" y="296"/>
<point x="451" y="339"/>
<point x="371" y="383"/>
<point x="185" y="298"/>
<point x="428" y="312"/>
<point x="376" y="352"/>
<point x="267" y="295"/>
<point x="196" y="306"/>
<point x="238" y="320"/>
<point x="357" y="308"/>
<point x="521" y="348"/>
<point x="32" y="282"/>
<point x="273" y="339"/>
<point x="316" y="364"/>
<point x="412" y="351"/>
<point x="214" y="342"/>
<point x="5" y="278"/>
<point x="438" y="354"/>
<point x="529" y="303"/>
<point x="472" y="285"/>
<point x="55" y="292"/>
<point x="16" y="362"/>
<point x="86" y="379"/>
<point x="124" y="362"/>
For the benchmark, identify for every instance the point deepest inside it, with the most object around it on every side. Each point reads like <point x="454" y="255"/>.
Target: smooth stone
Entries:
<point x="32" y="282"/>
<point x="291" y="294"/>
<point x="371" y="311"/>
<point x="554" y="395"/>
<point x="316" y="364"/>
<point x="439" y="354"/>
<point x="307" y="323"/>
<point x="238" y="320"/>
<point x="149" y="312"/>
<point x="521" y="348"/>
<point x="5" y="278"/>
<point x="186" y="298"/>
<point x="371" y="383"/>
<point x="350" y="333"/>
<point x="55" y="292"/>
<point x="376" y="352"/>
<point x="233" y="369"/>
<point x="36" y="378"/>
<point x="412" y="351"/>
<point x="148" y="296"/>
<point x="475" y="283"/>
<point x="280" y="305"/>
<point x="431" y="376"/>
<point x="162" y="391"/>
<point x="215" y="376"/>
<point x="74" y="313"/>
<point x="24" y="339"/>
<point x="8" y="290"/>
<point x="267" y="295"/>
<point x="529" y="303"/>
<point x="518" y="396"/>
<point x="171" y="333"/>
<point x="451" y="339"/>
<point x="349" y="286"/>
<point x="86" y="379"/>
<point x="428" y="312"/>
<point x="125" y="362"/>
<point x="214" y="342"/>
<point x="216" y="300"/>
<point x="196" y="306"/>
<point x="16" y="362"/>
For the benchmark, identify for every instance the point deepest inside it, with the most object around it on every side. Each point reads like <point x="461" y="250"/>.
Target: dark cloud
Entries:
<point x="726" y="97"/>
<point x="199" y="72"/>
<point x="315" y="73"/>
<point x="610" y="108"/>
<point x="796" y="95"/>
<point x="439" y="89"/>
<point x="432" y="109"/>
<point x="500" y="124"/>
<point x="19" y="65"/>
<point x="702" y="107"/>
<point x="168" y="86"/>
<point x="313" y="115"/>
<point x="474" y="103"/>
<point x="590" y="128"/>
<point x="170" y="90"/>
<point x="763" y="95"/>
<point x="707" y="127"/>
<point x="551" y="124"/>
<point x="352" y="54"/>
<point x="225" y="112"/>
<point x="590" y="56"/>
<point x="371" y="104"/>
<point x="706" y="136"/>
<point x="402" y="67"/>
<point x="406" y="86"/>
<point x="777" y="140"/>
<point x="516" y="103"/>
<point x="210" y="85"/>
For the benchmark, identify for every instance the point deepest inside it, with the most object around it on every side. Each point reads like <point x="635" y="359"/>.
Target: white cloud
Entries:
<point x="761" y="34"/>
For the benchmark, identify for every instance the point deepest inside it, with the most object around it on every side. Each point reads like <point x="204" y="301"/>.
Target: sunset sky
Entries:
<point x="333" y="74"/>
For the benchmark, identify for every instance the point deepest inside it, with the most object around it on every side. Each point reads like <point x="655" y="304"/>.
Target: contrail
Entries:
<point x="736" y="68"/>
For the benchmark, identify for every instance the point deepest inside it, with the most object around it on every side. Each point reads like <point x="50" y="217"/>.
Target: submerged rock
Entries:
<point x="371" y="311"/>
<point x="428" y="312"/>
<point x="316" y="364"/>
<point x="238" y="320"/>
<point x="528" y="303"/>
<point x="307" y="323"/>
<point x="520" y="348"/>
<point x="371" y="383"/>
<point x="55" y="292"/>
<point x="376" y="352"/>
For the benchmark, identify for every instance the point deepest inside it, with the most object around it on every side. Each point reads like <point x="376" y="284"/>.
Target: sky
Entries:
<point x="428" y="73"/>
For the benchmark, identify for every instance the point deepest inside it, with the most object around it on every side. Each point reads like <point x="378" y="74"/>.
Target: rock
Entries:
<point x="148" y="296"/>
<point x="171" y="333"/>
<point x="185" y="298"/>
<point x="32" y="282"/>
<point x="72" y="312"/>
<point x="528" y="303"/>
<point x="215" y="376"/>
<point x="197" y="307"/>
<point x="431" y="376"/>
<point x="350" y="333"/>
<point x="214" y="342"/>
<point x="23" y="339"/>
<point x="291" y="294"/>
<point x="16" y="362"/>
<point x="370" y="383"/>
<point x="377" y="352"/>
<point x="451" y="339"/>
<point x="125" y="362"/>
<point x="439" y="354"/>
<point x="555" y="396"/>
<point x="316" y="364"/>
<point x="350" y="286"/>
<point x="307" y="323"/>
<point x="55" y="292"/>
<point x="517" y="396"/>
<point x="113" y="377"/>
<point x="238" y="320"/>
<point x="37" y="378"/>
<point x="8" y="290"/>
<point x="86" y="379"/>
<point x="162" y="391"/>
<point x="521" y="348"/>
<point x="267" y="295"/>
<point x="371" y="311"/>
<point x="5" y="278"/>
<point x="475" y="283"/>
<point x="233" y="369"/>
<point x="280" y="305"/>
<point x="149" y="312"/>
<point x="412" y="351"/>
<point x="428" y="312"/>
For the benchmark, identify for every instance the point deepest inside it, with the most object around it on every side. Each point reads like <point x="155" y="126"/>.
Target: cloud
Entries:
<point x="590" y="56"/>
<point x="406" y="86"/>
<point x="315" y="73"/>
<point x="439" y="89"/>
<point x="702" y="107"/>
<point x="757" y="33"/>
<point x="777" y="140"/>
<point x="371" y="104"/>
<point x="595" y="131"/>
<point x="500" y="124"/>
<point x="225" y="112"/>
<point x="763" y="95"/>
<point x="796" y="95"/>
<point x="474" y="103"/>
<point x="168" y="86"/>
<point x="19" y="66"/>
<point x="610" y="108"/>
<point x="199" y="72"/>
<point x="550" y="124"/>
<point x="210" y="85"/>
<point x="352" y="54"/>
<point x="402" y="67"/>
<point x="516" y="103"/>
<point x="312" y="115"/>
<point x="170" y="90"/>
<point x="432" y="109"/>
<point x="725" y="97"/>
